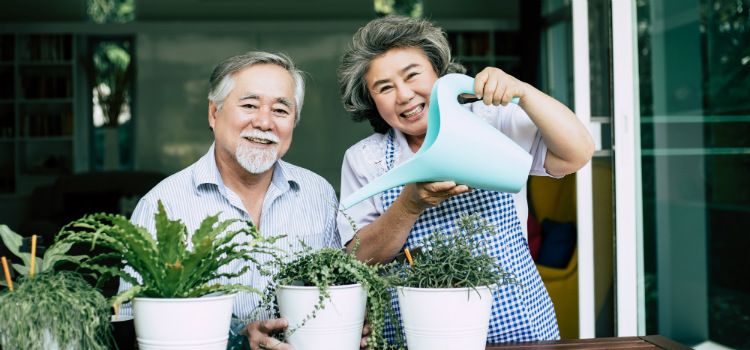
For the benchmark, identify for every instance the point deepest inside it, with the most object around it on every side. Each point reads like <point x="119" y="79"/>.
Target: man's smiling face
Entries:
<point x="256" y="120"/>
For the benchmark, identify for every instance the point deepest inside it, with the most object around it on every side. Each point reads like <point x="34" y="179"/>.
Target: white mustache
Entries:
<point x="257" y="134"/>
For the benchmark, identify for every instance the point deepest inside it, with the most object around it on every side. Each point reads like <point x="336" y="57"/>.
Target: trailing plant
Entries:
<point x="55" y="305"/>
<point x="51" y="306"/>
<point x="328" y="267"/>
<point x="454" y="259"/>
<point x="167" y="267"/>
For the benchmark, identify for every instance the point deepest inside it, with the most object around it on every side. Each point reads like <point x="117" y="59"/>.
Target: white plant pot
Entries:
<point x="445" y="318"/>
<point x="183" y="323"/>
<point x="336" y="327"/>
<point x="50" y="342"/>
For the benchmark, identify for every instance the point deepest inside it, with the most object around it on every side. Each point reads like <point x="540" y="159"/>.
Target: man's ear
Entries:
<point x="212" y="111"/>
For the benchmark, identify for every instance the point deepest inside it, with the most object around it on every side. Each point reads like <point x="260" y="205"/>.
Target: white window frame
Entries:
<point x="629" y="307"/>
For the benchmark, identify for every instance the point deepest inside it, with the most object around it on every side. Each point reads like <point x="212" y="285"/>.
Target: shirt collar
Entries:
<point x="283" y="176"/>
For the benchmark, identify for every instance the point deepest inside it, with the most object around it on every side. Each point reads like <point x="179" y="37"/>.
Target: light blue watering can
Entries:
<point x="459" y="146"/>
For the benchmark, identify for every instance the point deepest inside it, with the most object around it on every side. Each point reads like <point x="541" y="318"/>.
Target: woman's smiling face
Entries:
<point x="400" y="82"/>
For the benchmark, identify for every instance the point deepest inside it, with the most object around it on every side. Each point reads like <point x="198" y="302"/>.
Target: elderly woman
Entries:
<point x="386" y="78"/>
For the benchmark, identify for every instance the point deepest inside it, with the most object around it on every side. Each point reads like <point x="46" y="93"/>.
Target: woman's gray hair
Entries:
<point x="222" y="79"/>
<point x="374" y="40"/>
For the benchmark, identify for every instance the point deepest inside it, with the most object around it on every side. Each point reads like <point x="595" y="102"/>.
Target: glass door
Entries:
<point x="694" y="74"/>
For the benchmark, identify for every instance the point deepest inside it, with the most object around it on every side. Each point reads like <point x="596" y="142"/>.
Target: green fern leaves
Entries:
<point x="167" y="267"/>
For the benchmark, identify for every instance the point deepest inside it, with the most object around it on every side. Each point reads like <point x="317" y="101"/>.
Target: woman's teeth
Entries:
<point x="413" y="112"/>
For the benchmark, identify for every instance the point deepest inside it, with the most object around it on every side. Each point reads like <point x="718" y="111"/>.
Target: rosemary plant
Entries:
<point x="334" y="267"/>
<point x="454" y="259"/>
<point x="168" y="269"/>
<point x="51" y="306"/>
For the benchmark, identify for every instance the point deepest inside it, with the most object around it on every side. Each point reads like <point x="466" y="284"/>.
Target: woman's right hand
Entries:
<point x="423" y="195"/>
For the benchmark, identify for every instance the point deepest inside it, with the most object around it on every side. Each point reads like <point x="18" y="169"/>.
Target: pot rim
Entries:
<point x="345" y="286"/>
<point x="440" y="290"/>
<point x="187" y="300"/>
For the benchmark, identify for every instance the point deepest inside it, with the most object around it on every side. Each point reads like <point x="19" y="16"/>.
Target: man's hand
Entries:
<point x="365" y="335"/>
<point x="259" y="334"/>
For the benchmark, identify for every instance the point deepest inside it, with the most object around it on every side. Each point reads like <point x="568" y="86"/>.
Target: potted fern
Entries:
<point x="176" y="302"/>
<point x="50" y="309"/>
<point x="452" y="278"/>
<point x="324" y="295"/>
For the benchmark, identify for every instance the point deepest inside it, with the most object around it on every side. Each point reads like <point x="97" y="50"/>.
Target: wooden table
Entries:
<point x="654" y="342"/>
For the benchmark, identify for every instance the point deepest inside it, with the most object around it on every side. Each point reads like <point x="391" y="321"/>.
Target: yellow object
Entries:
<point x="562" y="286"/>
<point x="33" y="253"/>
<point x="7" y="274"/>
<point x="555" y="199"/>
<point x="408" y="256"/>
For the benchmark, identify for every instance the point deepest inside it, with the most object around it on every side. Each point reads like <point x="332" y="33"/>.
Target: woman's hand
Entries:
<point x="423" y="195"/>
<point x="496" y="87"/>
<point x="259" y="334"/>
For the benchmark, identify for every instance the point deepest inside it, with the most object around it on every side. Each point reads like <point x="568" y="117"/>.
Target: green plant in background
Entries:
<point x="454" y="259"/>
<point x="52" y="257"/>
<point x="167" y="268"/>
<point x="109" y="69"/>
<point x="51" y="306"/>
<point x="411" y="8"/>
<point x="334" y="267"/>
<point x="110" y="11"/>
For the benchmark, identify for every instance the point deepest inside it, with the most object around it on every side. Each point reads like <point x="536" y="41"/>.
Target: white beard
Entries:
<point x="257" y="160"/>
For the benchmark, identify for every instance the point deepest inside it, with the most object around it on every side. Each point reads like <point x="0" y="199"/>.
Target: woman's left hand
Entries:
<point x="496" y="87"/>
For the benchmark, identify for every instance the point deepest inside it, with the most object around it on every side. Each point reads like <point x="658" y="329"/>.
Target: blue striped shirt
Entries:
<point x="298" y="203"/>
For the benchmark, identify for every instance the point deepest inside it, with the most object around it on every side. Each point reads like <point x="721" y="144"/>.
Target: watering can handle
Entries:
<point x="428" y="164"/>
<point x="466" y="86"/>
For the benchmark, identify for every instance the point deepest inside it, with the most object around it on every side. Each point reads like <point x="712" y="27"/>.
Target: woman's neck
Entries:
<point x="415" y="141"/>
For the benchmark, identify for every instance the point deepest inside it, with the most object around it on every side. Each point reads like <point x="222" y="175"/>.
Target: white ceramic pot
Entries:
<point x="445" y="318"/>
<point x="50" y="342"/>
<point x="336" y="327"/>
<point x="183" y="323"/>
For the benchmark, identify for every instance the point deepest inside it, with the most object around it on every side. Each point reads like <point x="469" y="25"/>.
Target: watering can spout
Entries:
<point x="459" y="147"/>
<point x="400" y="175"/>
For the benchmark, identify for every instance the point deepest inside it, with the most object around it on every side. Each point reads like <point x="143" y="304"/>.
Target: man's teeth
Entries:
<point x="259" y="140"/>
<point x="413" y="112"/>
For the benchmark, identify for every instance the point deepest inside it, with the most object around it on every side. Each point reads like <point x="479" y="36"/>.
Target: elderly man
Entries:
<point x="255" y="101"/>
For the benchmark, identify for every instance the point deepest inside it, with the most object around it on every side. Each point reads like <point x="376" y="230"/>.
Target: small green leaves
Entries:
<point x="61" y="303"/>
<point x="333" y="267"/>
<point x="455" y="259"/>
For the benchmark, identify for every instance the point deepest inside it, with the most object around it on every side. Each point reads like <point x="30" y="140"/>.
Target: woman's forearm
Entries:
<point x="381" y="240"/>
<point x="568" y="141"/>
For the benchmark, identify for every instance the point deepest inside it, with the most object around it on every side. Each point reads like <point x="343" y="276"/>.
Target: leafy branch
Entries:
<point x="455" y="259"/>
<point x="167" y="268"/>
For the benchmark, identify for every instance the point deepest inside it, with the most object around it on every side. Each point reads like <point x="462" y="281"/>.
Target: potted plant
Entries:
<point x="452" y="278"/>
<point x="326" y="295"/>
<point x="50" y="309"/>
<point x="109" y="70"/>
<point x="176" y="301"/>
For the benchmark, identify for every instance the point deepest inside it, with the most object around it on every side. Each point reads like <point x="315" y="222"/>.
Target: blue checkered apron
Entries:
<point x="518" y="313"/>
